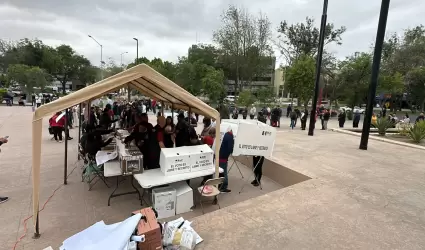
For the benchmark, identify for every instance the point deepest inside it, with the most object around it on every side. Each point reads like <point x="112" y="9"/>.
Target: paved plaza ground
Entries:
<point x="355" y="200"/>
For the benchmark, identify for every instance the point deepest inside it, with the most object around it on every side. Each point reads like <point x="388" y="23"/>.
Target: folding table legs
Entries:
<point x="235" y="162"/>
<point x="113" y="194"/>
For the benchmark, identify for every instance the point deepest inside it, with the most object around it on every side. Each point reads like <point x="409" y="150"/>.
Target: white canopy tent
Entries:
<point x="142" y="78"/>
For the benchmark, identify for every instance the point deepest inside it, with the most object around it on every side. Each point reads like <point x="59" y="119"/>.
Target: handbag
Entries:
<point x="51" y="130"/>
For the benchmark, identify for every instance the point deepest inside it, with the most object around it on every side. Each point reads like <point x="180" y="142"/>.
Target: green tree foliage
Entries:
<point x="213" y="84"/>
<point x="244" y="42"/>
<point x="246" y="98"/>
<point x="415" y="80"/>
<point x="300" y="78"/>
<point x="300" y="39"/>
<point x="27" y="77"/>
<point x="265" y="95"/>
<point x="355" y="73"/>
<point x="65" y="65"/>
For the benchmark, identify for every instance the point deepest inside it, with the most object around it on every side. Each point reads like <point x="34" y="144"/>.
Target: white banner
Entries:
<point x="251" y="137"/>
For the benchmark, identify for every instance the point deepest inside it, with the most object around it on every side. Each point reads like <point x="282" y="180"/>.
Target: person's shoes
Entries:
<point x="60" y="141"/>
<point x="70" y="138"/>
<point x="225" y="190"/>
<point x="253" y="182"/>
<point x="256" y="184"/>
<point x="3" y="199"/>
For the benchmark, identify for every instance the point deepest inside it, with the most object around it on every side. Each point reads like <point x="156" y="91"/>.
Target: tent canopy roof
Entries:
<point x="142" y="78"/>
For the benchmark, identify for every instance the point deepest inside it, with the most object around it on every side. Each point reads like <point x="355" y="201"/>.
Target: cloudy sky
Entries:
<point x="167" y="28"/>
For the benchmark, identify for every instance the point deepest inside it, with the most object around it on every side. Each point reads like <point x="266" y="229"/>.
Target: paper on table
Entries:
<point x="103" y="156"/>
<point x="101" y="236"/>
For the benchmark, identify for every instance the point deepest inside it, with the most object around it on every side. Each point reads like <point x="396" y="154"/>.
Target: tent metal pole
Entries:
<point x="79" y="128"/>
<point x="65" y="168"/>
<point x="162" y="108"/>
<point x="129" y="93"/>
<point x="37" y="228"/>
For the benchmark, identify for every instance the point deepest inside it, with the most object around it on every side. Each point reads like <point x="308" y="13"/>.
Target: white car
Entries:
<point x="230" y="98"/>
<point x="345" y="109"/>
<point x="358" y="110"/>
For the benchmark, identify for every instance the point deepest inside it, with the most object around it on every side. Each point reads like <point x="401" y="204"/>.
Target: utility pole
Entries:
<point x="101" y="56"/>
<point x="122" y="65"/>
<point x="318" y="68"/>
<point x="380" y="36"/>
<point x="137" y="50"/>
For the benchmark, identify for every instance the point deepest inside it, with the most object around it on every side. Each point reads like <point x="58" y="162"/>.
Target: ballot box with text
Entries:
<point x="175" y="160"/>
<point x="201" y="158"/>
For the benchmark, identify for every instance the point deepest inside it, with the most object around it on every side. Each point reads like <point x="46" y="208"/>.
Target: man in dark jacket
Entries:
<point x="226" y="149"/>
<point x="2" y="198"/>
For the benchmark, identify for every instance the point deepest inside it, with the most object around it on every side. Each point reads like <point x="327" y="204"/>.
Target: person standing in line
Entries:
<point x="3" y="140"/>
<point x="341" y="118"/>
<point x="226" y="149"/>
<point x="303" y="119"/>
<point x="293" y="116"/>
<point x="326" y="117"/>
<point x="288" y="110"/>
<point x="258" y="169"/>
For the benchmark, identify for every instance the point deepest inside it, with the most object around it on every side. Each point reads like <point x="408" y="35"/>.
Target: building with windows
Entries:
<point x="266" y="80"/>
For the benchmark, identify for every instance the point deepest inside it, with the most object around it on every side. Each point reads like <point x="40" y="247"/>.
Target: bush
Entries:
<point x="417" y="132"/>
<point x="383" y="124"/>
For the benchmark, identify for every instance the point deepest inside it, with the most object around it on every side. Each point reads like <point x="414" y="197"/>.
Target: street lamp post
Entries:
<point x="122" y="66"/>
<point x="318" y="68"/>
<point x="137" y="50"/>
<point x="380" y="36"/>
<point x="101" y="55"/>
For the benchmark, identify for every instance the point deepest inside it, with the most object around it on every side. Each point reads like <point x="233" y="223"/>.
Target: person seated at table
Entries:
<point x="145" y="139"/>
<point x="92" y="142"/>
<point x="193" y="138"/>
<point x="169" y="133"/>
<point x="107" y="116"/>
<point x="226" y="150"/>
<point x="182" y="131"/>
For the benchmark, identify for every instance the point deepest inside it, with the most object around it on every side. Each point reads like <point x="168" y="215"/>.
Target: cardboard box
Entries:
<point x="184" y="197"/>
<point x="164" y="201"/>
<point x="175" y="160"/>
<point x="150" y="228"/>
<point x="202" y="158"/>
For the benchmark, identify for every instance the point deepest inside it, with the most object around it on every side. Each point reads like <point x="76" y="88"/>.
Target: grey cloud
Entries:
<point x="167" y="28"/>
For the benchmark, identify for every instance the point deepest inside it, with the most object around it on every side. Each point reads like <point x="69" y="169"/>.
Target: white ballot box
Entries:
<point x="184" y="197"/>
<point x="175" y="160"/>
<point x="251" y="137"/>
<point x="164" y="201"/>
<point x="201" y="158"/>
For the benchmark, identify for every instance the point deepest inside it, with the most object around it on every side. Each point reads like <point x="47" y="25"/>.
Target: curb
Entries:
<point x="376" y="138"/>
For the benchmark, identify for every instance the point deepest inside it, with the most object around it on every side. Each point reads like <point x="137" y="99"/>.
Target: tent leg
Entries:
<point x="129" y="93"/>
<point x="79" y="128"/>
<point x="65" y="168"/>
<point x="37" y="229"/>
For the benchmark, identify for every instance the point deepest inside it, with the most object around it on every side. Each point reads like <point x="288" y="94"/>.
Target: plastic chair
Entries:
<point x="213" y="183"/>
<point x="92" y="172"/>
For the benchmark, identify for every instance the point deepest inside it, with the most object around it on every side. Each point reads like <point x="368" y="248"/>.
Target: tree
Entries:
<point x="300" y="78"/>
<point x="213" y="84"/>
<point x="187" y="76"/>
<point x="243" y="40"/>
<point x="245" y="98"/>
<point x="64" y="64"/>
<point x="28" y="77"/>
<point x="265" y="95"/>
<point x="355" y="73"/>
<point x="415" y="80"/>
<point x="303" y="38"/>
<point x="204" y="53"/>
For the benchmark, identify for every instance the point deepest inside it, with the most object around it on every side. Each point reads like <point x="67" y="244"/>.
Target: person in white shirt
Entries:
<point x="252" y="112"/>
<point x="38" y="101"/>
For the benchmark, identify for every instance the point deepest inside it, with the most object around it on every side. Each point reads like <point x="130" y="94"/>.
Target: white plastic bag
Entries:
<point x="179" y="238"/>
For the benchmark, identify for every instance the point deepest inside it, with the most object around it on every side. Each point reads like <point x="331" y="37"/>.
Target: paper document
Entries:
<point x="104" y="156"/>
<point x="101" y="236"/>
<point x="187" y="225"/>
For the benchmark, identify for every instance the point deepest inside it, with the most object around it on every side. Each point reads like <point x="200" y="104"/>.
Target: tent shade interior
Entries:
<point x="142" y="78"/>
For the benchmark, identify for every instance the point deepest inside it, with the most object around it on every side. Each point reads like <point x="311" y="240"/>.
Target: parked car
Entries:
<point x="358" y="110"/>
